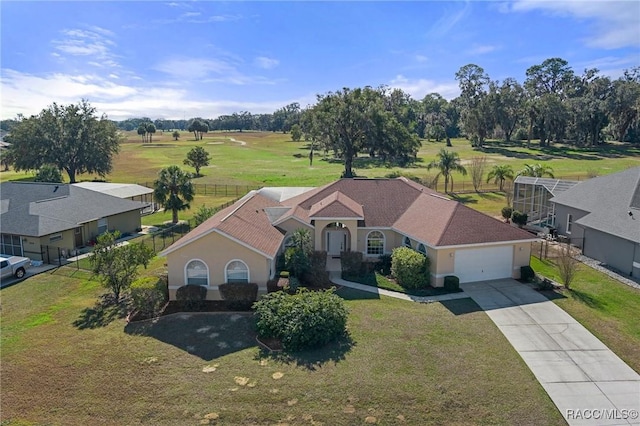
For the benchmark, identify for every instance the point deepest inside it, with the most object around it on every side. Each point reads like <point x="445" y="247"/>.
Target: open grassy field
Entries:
<point x="66" y="360"/>
<point x="272" y="159"/>
<point x="606" y="307"/>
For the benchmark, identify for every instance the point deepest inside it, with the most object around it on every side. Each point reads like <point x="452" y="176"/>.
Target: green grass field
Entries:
<point x="66" y="360"/>
<point x="272" y="159"/>
<point x="606" y="307"/>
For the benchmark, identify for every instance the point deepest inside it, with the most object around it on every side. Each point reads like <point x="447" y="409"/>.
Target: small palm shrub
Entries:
<point x="304" y="320"/>
<point x="410" y="268"/>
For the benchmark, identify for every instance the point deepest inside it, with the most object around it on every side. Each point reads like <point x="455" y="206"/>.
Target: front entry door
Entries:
<point x="336" y="242"/>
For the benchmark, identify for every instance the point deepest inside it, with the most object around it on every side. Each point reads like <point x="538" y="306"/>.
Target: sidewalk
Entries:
<point x="398" y="295"/>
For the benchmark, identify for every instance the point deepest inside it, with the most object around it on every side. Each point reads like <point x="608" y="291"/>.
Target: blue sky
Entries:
<point x="186" y="59"/>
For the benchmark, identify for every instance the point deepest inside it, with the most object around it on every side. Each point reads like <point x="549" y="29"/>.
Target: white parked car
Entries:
<point x="14" y="266"/>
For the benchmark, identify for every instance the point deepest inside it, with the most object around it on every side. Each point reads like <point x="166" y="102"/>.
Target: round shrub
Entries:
<point x="191" y="297"/>
<point x="519" y="218"/>
<point x="451" y="283"/>
<point x="239" y="296"/>
<point x="410" y="268"/>
<point x="148" y="295"/>
<point x="304" y="320"/>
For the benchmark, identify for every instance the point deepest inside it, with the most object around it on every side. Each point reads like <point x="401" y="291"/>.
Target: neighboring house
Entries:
<point x="602" y="216"/>
<point x="129" y="191"/>
<point x="44" y="220"/>
<point x="372" y="216"/>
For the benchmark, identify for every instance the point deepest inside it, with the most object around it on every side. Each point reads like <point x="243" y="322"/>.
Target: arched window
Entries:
<point x="236" y="271"/>
<point x="422" y="249"/>
<point x="197" y="273"/>
<point x="407" y="242"/>
<point x="375" y="243"/>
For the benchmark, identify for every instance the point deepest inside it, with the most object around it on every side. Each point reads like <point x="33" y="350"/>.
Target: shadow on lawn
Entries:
<point x="313" y="359"/>
<point x="101" y="314"/>
<point x="208" y="336"/>
<point x="461" y="306"/>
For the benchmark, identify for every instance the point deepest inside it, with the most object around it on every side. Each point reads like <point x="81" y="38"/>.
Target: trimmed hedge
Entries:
<point x="519" y="218"/>
<point x="451" y="283"/>
<point x="383" y="265"/>
<point x="410" y="268"/>
<point x="304" y="320"/>
<point x="191" y="297"/>
<point x="317" y="275"/>
<point x="239" y="296"/>
<point x="148" y="295"/>
<point x="351" y="262"/>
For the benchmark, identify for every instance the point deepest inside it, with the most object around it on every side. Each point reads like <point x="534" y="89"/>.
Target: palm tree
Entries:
<point x="447" y="162"/>
<point x="500" y="173"/>
<point x="173" y="190"/>
<point x="536" y="170"/>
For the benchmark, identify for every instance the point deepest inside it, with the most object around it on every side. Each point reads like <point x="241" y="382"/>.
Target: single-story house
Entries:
<point x="372" y="216"/>
<point x="44" y="220"/>
<point x="602" y="216"/>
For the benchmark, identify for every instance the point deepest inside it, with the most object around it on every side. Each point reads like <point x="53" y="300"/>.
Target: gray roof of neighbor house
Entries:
<point x="120" y="190"/>
<point x="37" y="209"/>
<point x="608" y="201"/>
<point x="399" y="204"/>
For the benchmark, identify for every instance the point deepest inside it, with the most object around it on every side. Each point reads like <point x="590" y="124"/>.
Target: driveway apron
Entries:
<point x="588" y="383"/>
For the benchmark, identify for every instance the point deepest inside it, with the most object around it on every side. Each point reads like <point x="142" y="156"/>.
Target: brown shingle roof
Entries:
<point x="403" y="205"/>
<point x="245" y="221"/>
<point x="383" y="201"/>
<point x="336" y="205"/>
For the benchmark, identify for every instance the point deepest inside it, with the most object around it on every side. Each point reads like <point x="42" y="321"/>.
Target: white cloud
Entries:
<point x="208" y="71"/>
<point x="421" y="58"/>
<point x="28" y="94"/>
<point x="616" y="24"/>
<point x="190" y="14"/>
<point x="94" y="42"/>
<point x="266" y="63"/>
<point x="421" y="87"/>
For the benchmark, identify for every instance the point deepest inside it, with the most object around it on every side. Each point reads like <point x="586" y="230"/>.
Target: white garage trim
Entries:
<point x="486" y="263"/>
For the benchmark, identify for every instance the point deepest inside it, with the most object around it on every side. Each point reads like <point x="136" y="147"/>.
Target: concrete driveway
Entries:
<point x="588" y="383"/>
<point x="34" y="270"/>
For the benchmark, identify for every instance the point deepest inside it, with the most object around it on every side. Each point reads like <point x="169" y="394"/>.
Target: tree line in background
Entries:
<point x="553" y="104"/>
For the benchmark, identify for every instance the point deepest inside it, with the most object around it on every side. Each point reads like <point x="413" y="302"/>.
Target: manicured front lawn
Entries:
<point x="375" y="279"/>
<point x="606" y="307"/>
<point x="65" y="361"/>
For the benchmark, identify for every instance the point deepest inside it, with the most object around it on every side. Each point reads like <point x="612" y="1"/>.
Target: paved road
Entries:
<point x="588" y="383"/>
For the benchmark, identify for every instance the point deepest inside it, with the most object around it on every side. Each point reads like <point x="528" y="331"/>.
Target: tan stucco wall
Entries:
<point x="67" y="243"/>
<point x="126" y="222"/>
<point x="31" y="248"/>
<point x="216" y="251"/>
<point x="521" y="257"/>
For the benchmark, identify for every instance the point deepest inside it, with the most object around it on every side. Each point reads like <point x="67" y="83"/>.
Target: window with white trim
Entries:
<point x="375" y="243"/>
<point x="569" y="223"/>
<point x="407" y="242"/>
<point x="237" y="272"/>
<point x="422" y="249"/>
<point x="197" y="273"/>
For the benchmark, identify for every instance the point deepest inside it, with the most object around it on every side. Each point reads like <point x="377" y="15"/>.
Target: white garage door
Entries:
<point x="488" y="263"/>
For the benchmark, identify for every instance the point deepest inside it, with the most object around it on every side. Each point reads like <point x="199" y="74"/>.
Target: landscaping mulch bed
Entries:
<point x="175" y="308"/>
